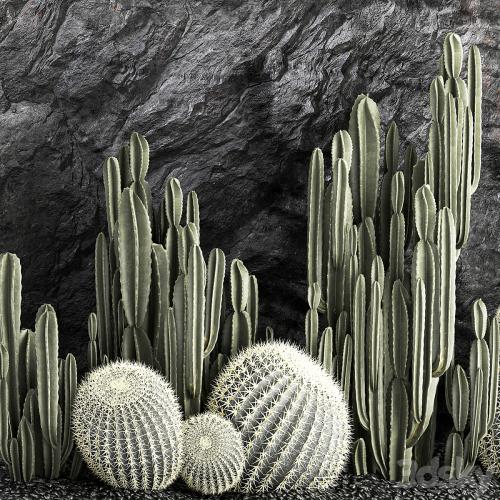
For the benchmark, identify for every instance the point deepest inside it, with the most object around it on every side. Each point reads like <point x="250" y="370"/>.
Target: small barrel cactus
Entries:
<point x="213" y="454"/>
<point x="489" y="450"/>
<point x="127" y="425"/>
<point x="292" y="415"/>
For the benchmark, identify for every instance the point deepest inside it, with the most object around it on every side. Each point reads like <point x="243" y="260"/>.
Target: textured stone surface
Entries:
<point x="477" y="486"/>
<point x="232" y="96"/>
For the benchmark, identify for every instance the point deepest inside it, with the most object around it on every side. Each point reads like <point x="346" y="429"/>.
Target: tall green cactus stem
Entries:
<point x="311" y="326"/>
<point x="474" y="80"/>
<point x="112" y="191"/>
<point x="10" y="320"/>
<point x="155" y="303"/>
<point x="194" y="342"/>
<point x="215" y="282"/>
<point x="92" y="346"/>
<point x="35" y="439"/>
<point x="315" y="203"/>
<point x="399" y="319"/>
<point x="103" y="297"/>
<point x="47" y="373"/>
<point x="385" y="210"/>
<point x="134" y="243"/>
<point x="446" y="236"/>
<point x="238" y="328"/>
<point x="193" y="210"/>
<point x="364" y="129"/>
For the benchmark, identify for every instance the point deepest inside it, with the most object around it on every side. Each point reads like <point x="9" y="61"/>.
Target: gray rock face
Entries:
<point x="233" y="96"/>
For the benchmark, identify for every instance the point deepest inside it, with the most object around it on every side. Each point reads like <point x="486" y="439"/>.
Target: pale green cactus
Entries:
<point x="127" y="426"/>
<point x="213" y="454"/>
<point x="36" y="388"/>
<point x="158" y="301"/>
<point x="395" y="323"/>
<point x="292" y="415"/>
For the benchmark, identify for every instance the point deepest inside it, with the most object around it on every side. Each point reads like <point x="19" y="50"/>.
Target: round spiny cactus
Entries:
<point x="489" y="449"/>
<point x="291" y="414"/>
<point x="213" y="454"/>
<point x="127" y="425"/>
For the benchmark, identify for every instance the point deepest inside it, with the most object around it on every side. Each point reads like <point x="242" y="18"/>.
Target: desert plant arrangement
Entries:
<point x="164" y="345"/>
<point x="381" y="267"/>
<point x="213" y="454"/>
<point x="127" y="425"/>
<point x="291" y="413"/>
<point x="37" y="388"/>
<point x="158" y="301"/>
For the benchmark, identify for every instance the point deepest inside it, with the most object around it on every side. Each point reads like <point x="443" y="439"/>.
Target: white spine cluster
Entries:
<point x="213" y="454"/>
<point x="127" y="425"/>
<point x="489" y="449"/>
<point x="292" y="415"/>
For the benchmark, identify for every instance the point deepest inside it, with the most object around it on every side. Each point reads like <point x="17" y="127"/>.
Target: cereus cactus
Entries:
<point x="36" y="388"/>
<point x="127" y="425"/>
<point x="382" y="256"/>
<point x="213" y="454"/>
<point x="291" y="413"/>
<point x="157" y="299"/>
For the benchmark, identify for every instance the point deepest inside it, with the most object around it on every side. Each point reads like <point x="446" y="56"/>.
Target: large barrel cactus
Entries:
<point x="213" y="454"/>
<point x="292" y="415"/>
<point x="127" y="425"/>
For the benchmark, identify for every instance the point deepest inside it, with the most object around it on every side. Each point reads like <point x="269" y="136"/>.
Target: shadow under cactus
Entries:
<point x="475" y="486"/>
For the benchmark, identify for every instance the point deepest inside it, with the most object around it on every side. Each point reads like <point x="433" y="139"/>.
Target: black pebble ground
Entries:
<point x="476" y="486"/>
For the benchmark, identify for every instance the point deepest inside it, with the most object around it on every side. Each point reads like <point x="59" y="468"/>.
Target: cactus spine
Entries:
<point x="36" y="388"/>
<point x="158" y="301"/>
<point x="398" y="319"/>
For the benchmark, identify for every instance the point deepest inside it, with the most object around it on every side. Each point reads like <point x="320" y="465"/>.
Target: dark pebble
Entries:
<point x="476" y="486"/>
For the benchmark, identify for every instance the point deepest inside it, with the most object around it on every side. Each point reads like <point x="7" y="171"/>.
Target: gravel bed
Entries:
<point x="476" y="486"/>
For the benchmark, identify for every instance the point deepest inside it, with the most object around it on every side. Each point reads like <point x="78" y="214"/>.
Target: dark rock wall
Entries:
<point x="232" y="96"/>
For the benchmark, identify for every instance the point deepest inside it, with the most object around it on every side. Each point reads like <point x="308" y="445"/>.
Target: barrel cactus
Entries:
<point x="489" y="451"/>
<point x="292" y="415"/>
<point x="127" y="425"/>
<point x="213" y="454"/>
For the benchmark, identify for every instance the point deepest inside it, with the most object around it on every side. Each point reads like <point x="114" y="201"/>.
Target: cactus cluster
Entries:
<point x="292" y="416"/>
<point x="381" y="266"/>
<point x="158" y="301"/>
<point x="213" y="454"/>
<point x="37" y="388"/>
<point x="127" y="425"/>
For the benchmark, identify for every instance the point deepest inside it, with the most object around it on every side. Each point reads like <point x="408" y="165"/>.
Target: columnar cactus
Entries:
<point x="158" y="301"/>
<point x="292" y="415"/>
<point x="392" y="321"/>
<point x="128" y="426"/>
<point x="36" y="388"/>
<point x="213" y="454"/>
